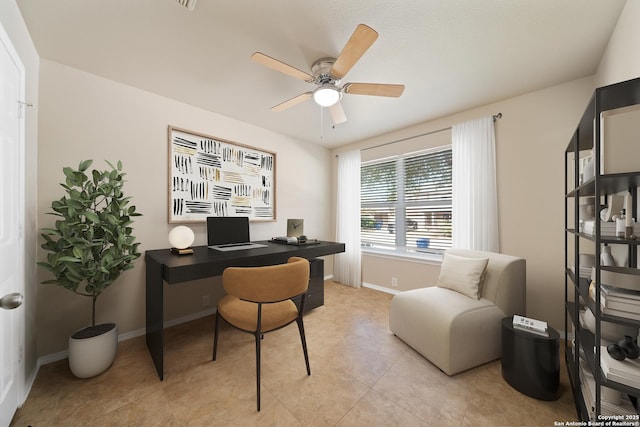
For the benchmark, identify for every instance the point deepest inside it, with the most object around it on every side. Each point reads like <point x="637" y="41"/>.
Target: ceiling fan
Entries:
<point x="327" y="74"/>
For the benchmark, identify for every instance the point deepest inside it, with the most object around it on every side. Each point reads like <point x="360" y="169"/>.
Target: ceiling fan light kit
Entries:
<point x="326" y="95"/>
<point x="327" y="73"/>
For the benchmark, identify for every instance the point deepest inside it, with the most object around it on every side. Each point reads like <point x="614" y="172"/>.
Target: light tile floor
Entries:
<point x="361" y="375"/>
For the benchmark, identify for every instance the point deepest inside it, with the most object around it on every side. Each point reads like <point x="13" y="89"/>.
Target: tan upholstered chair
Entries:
<point x="259" y="300"/>
<point x="453" y="330"/>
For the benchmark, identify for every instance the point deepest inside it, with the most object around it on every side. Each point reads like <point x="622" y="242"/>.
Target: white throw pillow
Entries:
<point x="463" y="274"/>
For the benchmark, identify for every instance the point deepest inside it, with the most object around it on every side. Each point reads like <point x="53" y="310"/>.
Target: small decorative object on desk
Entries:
<point x="181" y="237"/>
<point x="295" y="227"/>
<point x="298" y="241"/>
<point x="530" y="325"/>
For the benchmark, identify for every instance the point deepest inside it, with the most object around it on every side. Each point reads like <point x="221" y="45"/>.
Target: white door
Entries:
<point x="11" y="219"/>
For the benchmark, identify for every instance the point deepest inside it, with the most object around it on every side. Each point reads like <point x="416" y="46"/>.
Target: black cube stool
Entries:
<point x="531" y="362"/>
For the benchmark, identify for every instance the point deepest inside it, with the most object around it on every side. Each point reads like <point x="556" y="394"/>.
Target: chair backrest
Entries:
<point x="270" y="283"/>
<point x="505" y="282"/>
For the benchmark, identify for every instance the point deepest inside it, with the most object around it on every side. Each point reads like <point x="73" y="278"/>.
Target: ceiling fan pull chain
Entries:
<point x="321" y="127"/>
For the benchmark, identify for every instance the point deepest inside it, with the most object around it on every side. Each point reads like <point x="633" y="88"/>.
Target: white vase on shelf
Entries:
<point x="606" y="259"/>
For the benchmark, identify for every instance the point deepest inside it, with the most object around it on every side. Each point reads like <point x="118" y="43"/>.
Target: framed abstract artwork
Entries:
<point x="210" y="176"/>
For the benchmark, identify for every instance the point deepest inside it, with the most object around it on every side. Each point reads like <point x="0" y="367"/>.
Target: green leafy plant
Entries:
<point x="91" y="243"/>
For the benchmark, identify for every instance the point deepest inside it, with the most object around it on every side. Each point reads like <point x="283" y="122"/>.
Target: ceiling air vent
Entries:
<point x="189" y="4"/>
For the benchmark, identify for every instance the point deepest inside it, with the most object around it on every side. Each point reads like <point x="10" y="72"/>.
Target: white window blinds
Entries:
<point x="406" y="201"/>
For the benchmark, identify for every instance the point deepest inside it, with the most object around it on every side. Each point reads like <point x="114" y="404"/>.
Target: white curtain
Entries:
<point x="475" y="199"/>
<point x="346" y="266"/>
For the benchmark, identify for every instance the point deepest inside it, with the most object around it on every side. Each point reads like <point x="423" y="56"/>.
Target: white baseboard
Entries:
<point x="54" y="357"/>
<point x="50" y="358"/>
<point x="380" y="288"/>
<point x="188" y="318"/>
<point x="29" y="383"/>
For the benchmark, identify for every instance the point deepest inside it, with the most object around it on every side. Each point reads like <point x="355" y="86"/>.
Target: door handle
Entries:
<point x="11" y="301"/>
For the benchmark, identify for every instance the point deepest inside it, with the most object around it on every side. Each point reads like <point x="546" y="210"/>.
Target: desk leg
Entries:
<point x="155" y="316"/>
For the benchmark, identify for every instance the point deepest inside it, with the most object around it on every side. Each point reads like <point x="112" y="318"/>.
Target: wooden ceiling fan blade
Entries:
<point x="280" y="66"/>
<point x="361" y="40"/>
<point x="292" y="102"/>
<point x="337" y="113"/>
<point x="375" y="89"/>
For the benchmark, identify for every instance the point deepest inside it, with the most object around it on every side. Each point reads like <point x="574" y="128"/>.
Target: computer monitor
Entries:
<point x="223" y="230"/>
<point x="229" y="233"/>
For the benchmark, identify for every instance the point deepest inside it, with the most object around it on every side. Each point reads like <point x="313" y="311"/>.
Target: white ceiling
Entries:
<point x="451" y="54"/>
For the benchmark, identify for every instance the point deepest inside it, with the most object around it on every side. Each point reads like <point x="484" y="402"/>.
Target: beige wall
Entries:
<point x="12" y="22"/>
<point x="530" y="141"/>
<point x="621" y="60"/>
<point x="83" y="116"/>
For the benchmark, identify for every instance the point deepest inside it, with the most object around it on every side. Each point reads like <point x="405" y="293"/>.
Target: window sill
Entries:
<point x="420" y="257"/>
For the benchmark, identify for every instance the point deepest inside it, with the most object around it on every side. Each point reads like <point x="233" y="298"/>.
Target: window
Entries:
<point x="406" y="202"/>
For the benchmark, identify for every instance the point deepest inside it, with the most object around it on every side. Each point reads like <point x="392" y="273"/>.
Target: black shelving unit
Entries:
<point x="587" y="137"/>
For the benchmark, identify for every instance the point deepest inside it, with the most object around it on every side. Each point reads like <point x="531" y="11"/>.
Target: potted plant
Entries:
<point x="89" y="246"/>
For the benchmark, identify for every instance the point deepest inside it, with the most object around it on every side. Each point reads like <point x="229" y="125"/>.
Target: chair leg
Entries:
<point x="215" y="336"/>
<point x="304" y="343"/>
<point x="258" y="336"/>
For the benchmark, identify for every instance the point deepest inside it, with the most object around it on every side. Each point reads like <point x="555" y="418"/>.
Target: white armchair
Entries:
<point x="459" y="329"/>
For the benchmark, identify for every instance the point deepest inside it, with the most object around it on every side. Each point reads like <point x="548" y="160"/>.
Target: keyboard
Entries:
<point x="233" y="245"/>
<point x="237" y="246"/>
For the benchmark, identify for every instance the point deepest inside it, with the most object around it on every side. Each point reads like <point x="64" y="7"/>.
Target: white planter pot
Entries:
<point x="93" y="349"/>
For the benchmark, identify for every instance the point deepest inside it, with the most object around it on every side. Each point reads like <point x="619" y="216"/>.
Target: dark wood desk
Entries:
<point x="163" y="266"/>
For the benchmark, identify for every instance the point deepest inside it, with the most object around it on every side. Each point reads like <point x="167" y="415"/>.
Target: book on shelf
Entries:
<point x="538" y="327"/>
<point x="584" y="271"/>
<point x="620" y="306"/>
<point x="587" y="396"/>
<point x="617" y="306"/>
<point x="620" y="294"/>
<point x="620" y="313"/>
<point x="588" y="385"/>
<point x="606" y="228"/>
